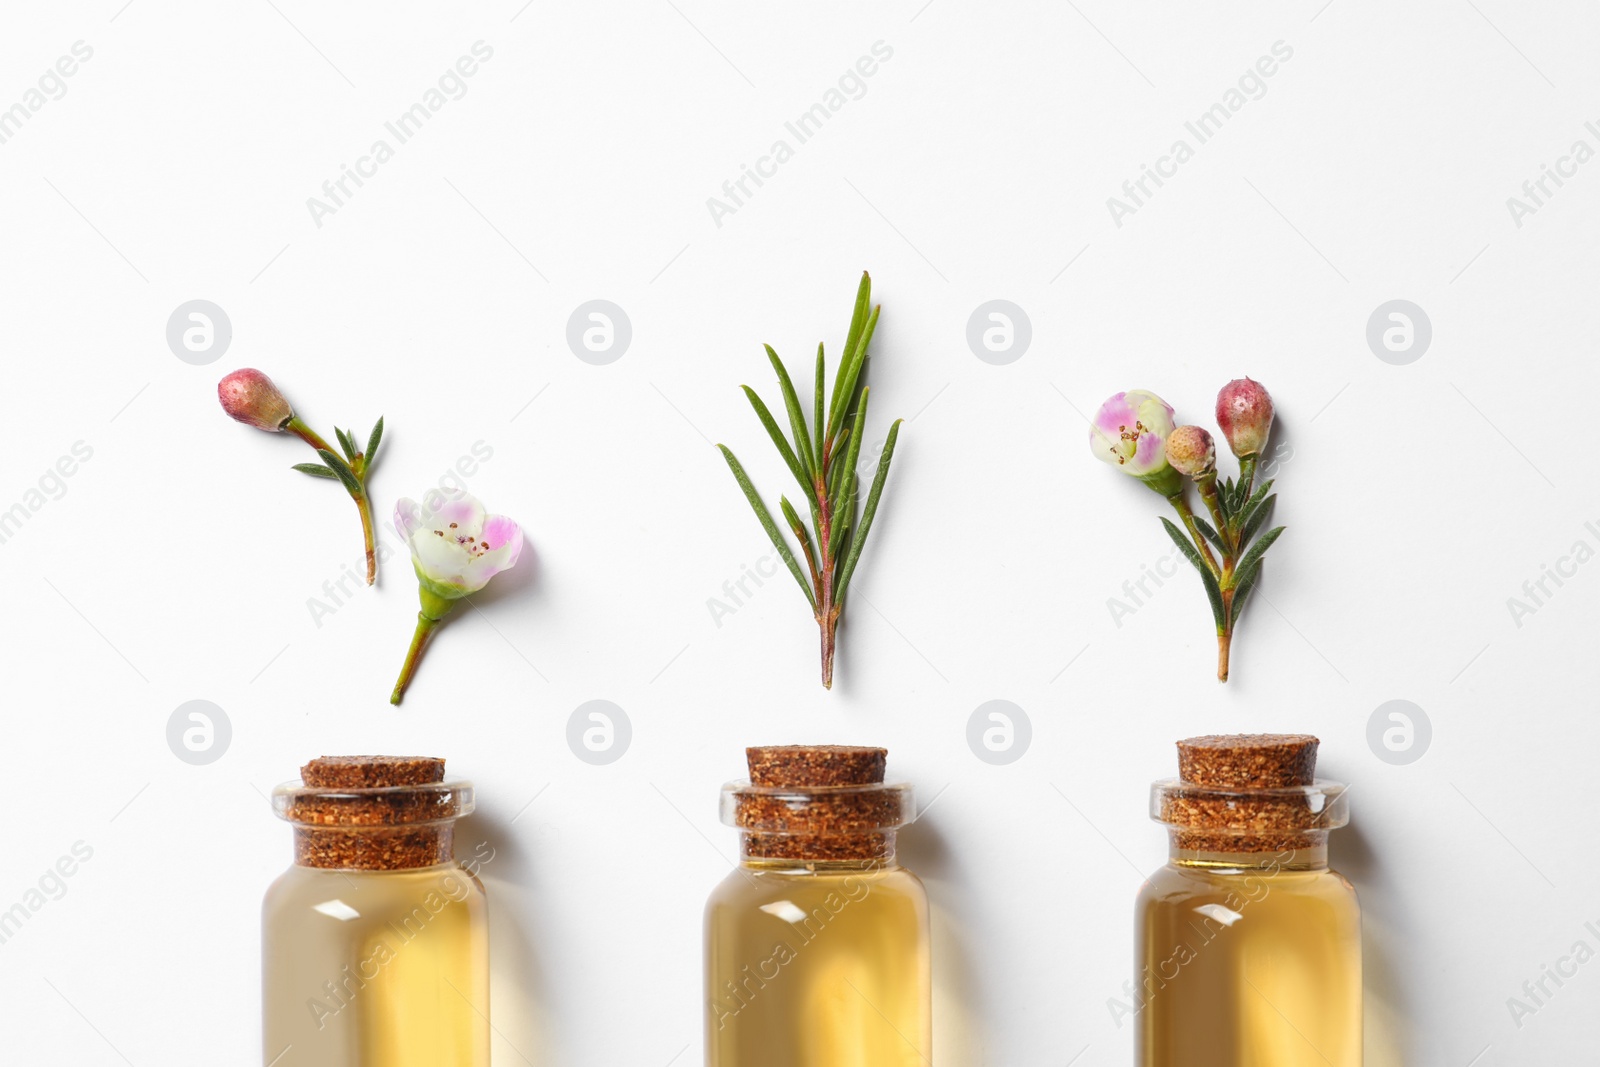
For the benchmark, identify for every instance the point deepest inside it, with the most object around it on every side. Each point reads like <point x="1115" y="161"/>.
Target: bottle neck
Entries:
<point x="774" y="851"/>
<point x="377" y="848"/>
<point x="1307" y="852"/>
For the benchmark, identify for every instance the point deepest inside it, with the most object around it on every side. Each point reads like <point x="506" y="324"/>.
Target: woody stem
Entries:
<point x="827" y="613"/>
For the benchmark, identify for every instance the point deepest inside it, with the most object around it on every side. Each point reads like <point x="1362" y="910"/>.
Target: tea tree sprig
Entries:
<point x="250" y="397"/>
<point x="822" y="457"/>
<point x="1134" y="431"/>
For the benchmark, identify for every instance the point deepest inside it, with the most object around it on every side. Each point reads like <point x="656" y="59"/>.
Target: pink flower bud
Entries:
<point x="1190" y="451"/>
<point x="249" y="396"/>
<point x="1244" y="411"/>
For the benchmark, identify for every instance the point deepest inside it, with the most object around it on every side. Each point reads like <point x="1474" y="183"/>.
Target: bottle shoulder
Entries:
<point x="1176" y="883"/>
<point x="309" y="886"/>
<point x="747" y="884"/>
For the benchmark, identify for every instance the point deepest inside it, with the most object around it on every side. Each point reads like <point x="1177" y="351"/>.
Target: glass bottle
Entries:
<point x="817" y="945"/>
<point x="1249" y="947"/>
<point x="374" y="945"/>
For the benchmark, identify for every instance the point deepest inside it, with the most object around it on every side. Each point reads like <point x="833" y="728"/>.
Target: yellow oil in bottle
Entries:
<point x="818" y="965"/>
<point x="1248" y="961"/>
<point x="376" y="969"/>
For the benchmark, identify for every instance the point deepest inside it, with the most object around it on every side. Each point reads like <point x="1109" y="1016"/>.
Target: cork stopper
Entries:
<point x="371" y="772"/>
<point x="1248" y="793"/>
<point x="373" y="813"/>
<point x="817" y="802"/>
<point x="816" y="765"/>
<point x="1248" y="761"/>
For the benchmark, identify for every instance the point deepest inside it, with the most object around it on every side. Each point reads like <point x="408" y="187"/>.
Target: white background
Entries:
<point x="179" y="560"/>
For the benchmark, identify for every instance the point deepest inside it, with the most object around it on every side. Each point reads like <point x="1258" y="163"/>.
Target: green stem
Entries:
<point x="308" y="435"/>
<point x="365" y="505"/>
<point x="1229" y="532"/>
<point x="1182" y="507"/>
<point x="1247" y="474"/>
<point x="1207" y="484"/>
<point x="314" y="439"/>
<point x="425" y="626"/>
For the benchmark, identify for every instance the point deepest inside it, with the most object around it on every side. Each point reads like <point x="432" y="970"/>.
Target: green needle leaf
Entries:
<point x="347" y="443"/>
<point x="778" y="439"/>
<point x="767" y="524"/>
<point x="842" y="520"/>
<point x="372" y="442"/>
<point x="1254" y="553"/>
<point x="872" y="505"/>
<point x="816" y="421"/>
<point x="858" y="314"/>
<point x="316" y="470"/>
<point x="858" y="321"/>
<point x="342" y="471"/>
<point x="845" y="388"/>
<point x="840" y="447"/>
<point x="843" y="503"/>
<point x="792" y="517"/>
<point x="801" y="534"/>
<point x="797" y="418"/>
<point x="844" y="511"/>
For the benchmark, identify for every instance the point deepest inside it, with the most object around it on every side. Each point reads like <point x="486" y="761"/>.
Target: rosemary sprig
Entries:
<point x="822" y="458"/>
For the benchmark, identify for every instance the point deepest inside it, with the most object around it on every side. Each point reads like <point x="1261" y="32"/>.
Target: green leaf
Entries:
<point x="791" y="516"/>
<point x="871" y="509"/>
<point x="342" y="471"/>
<point x="816" y="421"/>
<point x="767" y="524"/>
<point x="778" y="439"/>
<point x="1185" y="546"/>
<point x="347" y="443"/>
<point x="1210" y="534"/>
<point x="840" y="447"/>
<point x="1192" y="554"/>
<point x="858" y="317"/>
<point x="1243" y="591"/>
<point x="845" y="388"/>
<point x="1254" y="553"/>
<point x="1254" y="519"/>
<point x="372" y="442"/>
<point x="844" y="497"/>
<point x="1213" y="594"/>
<point x="801" y="534"/>
<point x="797" y="418"/>
<point x="1255" y="501"/>
<point x="858" y="321"/>
<point x="316" y="470"/>
<point x="840" y="497"/>
<point x="843" y="518"/>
